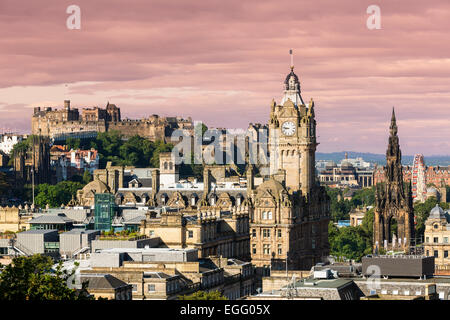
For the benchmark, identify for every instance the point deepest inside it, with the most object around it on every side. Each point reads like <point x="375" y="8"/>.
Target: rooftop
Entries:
<point x="103" y="281"/>
<point x="38" y="232"/>
<point x="147" y="250"/>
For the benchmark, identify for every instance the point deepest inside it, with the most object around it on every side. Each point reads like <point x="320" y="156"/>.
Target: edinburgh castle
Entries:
<point x="69" y="122"/>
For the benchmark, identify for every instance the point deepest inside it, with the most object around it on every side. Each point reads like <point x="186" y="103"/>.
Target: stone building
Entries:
<point x="213" y="231"/>
<point x="35" y="161"/>
<point x="67" y="163"/>
<point x="437" y="235"/>
<point x="345" y="175"/>
<point x="421" y="176"/>
<point x="159" y="273"/>
<point x="9" y="140"/>
<point x="68" y="122"/>
<point x="282" y="220"/>
<point x="14" y="219"/>
<point x="393" y="201"/>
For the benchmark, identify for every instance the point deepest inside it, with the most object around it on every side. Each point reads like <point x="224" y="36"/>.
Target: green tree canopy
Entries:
<point x="87" y="177"/>
<point x="422" y="211"/>
<point x="203" y="295"/>
<point x="349" y="242"/>
<point x="33" y="278"/>
<point x="55" y="195"/>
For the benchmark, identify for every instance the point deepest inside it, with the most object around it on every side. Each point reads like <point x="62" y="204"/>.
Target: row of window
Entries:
<point x="436" y="239"/>
<point x="436" y="253"/>
<point x="266" y="249"/>
<point x="266" y="233"/>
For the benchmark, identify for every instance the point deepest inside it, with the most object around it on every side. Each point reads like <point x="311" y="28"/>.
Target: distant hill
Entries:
<point x="381" y="158"/>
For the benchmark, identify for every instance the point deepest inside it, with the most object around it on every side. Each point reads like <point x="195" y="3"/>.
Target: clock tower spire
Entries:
<point x="292" y="137"/>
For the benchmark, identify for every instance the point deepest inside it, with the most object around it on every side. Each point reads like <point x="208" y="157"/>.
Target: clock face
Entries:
<point x="288" y="128"/>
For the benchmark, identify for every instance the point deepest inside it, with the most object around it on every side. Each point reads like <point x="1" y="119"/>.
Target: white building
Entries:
<point x="8" y="141"/>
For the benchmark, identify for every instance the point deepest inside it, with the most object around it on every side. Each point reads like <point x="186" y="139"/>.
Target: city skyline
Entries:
<point x="224" y="66"/>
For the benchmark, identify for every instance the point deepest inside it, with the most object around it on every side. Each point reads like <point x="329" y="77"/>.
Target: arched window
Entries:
<point x="269" y="215"/>
<point x="165" y="165"/>
<point x="264" y="215"/>
<point x="170" y="165"/>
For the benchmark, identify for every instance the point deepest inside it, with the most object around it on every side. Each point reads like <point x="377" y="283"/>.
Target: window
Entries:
<point x="266" y="249"/>
<point x="190" y="234"/>
<point x="151" y="288"/>
<point x="264" y="215"/>
<point x="279" y="233"/>
<point x="253" y="232"/>
<point x="280" y="250"/>
<point x="427" y="239"/>
<point x="418" y="292"/>
<point x="254" y="248"/>
<point x="436" y="255"/>
<point x="445" y="254"/>
<point x="269" y="215"/>
<point x="313" y="243"/>
<point x="406" y="292"/>
<point x="134" y="289"/>
<point x="435" y="239"/>
<point x="428" y="253"/>
<point x="445" y="239"/>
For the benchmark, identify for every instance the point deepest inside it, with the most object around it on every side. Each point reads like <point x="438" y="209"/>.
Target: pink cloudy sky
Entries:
<point x="223" y="61"/>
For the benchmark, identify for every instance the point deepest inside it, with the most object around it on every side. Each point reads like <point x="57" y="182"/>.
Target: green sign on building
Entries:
<point x="105" y="208"/>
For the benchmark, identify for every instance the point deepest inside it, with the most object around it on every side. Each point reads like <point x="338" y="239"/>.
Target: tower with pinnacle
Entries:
<point x="393" y="226"/>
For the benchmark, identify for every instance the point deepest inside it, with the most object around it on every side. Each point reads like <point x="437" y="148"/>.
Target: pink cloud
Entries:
<point x="223" y="61"/>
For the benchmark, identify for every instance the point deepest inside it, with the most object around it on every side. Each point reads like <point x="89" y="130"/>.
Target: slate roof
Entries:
<point x="103" y="281"/>
<point x="51" y="218"/>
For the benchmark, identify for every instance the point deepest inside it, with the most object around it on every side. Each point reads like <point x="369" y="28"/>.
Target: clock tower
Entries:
<point x="292" y="137"/>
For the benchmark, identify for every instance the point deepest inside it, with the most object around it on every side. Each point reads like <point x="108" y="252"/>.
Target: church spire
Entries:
<point x="393" y="128"/>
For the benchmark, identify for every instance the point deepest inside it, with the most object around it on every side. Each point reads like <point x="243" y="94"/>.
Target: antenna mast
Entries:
<point x="292" y="59"/>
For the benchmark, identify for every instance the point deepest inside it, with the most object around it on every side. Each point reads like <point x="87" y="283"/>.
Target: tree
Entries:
<point x="160" y="146"/>
<point x="55" y="195"/>
<point x="4" y="185"/>
<point x="203" y="295"/>
<point x="192" y="169"/>
<point x="73" y="143"/>
<point x="422" y="211"/>
<point x="349" y="242"/>
<point x="33" y="278"/>
<point x="340" y="209"/>
<point x="87" y="177"/>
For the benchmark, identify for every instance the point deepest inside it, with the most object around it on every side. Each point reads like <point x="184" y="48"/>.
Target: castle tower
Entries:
<point x="292" y="137"/>
<point x="393" y="202"/>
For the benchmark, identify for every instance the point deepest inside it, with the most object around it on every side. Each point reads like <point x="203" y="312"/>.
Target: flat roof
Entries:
<point x="81" y="231"/>
<point x="147" y="250"/>
<point x="322" y="283"/>
<point x="442" y="280"/>
<point x="40" y="231"/>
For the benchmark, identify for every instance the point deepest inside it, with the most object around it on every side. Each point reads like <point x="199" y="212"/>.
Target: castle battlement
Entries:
<point x="53" y="122"/>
